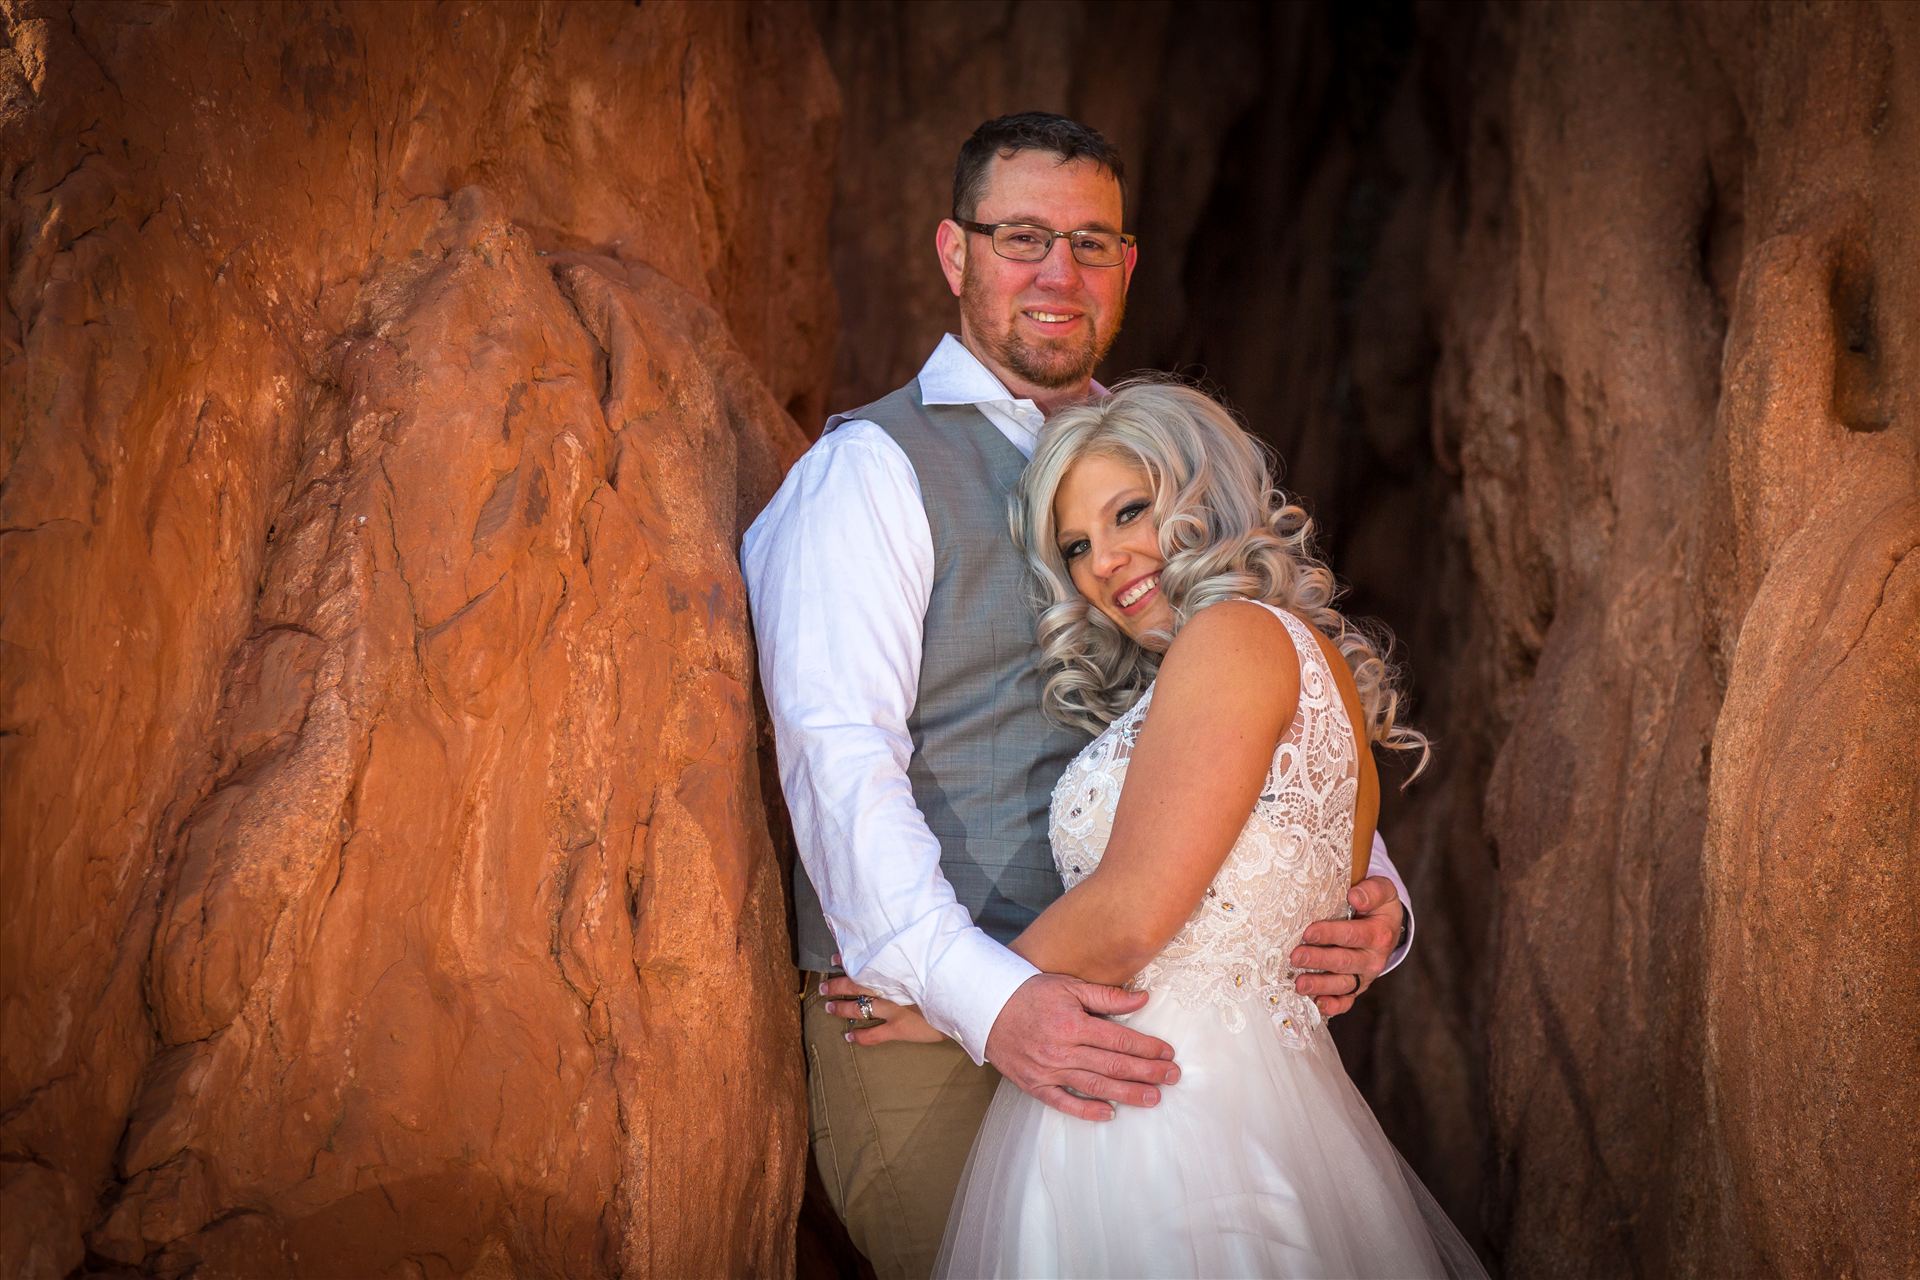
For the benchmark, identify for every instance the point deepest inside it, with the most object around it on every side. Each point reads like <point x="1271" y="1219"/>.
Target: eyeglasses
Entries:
<point x="1024" y="242"/>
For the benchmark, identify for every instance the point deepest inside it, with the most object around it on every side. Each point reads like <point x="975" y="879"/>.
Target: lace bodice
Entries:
<point x="1288" y="868"/>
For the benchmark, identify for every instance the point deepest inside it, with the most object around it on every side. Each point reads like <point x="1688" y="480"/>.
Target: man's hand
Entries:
<point x="1352" y="952"/>
<point x="1048" y="1041"/>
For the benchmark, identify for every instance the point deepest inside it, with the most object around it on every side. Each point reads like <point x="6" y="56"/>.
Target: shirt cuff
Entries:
<point x="967" y="989"/>
<point x="1393" y="961"/>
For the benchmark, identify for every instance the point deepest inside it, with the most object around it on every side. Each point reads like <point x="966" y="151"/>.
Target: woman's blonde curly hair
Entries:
<point x="1225" y="531"/>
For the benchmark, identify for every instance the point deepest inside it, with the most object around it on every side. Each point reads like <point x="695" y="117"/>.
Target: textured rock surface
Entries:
<point x="1682" y="372"/>
<point x="385" y="389"/>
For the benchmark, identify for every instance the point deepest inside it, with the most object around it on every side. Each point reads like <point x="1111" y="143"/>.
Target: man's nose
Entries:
<point x="1059" y="269"/>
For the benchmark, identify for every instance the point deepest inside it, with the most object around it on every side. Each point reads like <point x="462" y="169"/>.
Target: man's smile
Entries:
<point x="1051" y="320"/>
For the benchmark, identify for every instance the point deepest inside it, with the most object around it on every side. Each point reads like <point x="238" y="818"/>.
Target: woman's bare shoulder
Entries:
<point x="1233" y="652"/>
<point x="1223" y="629"/>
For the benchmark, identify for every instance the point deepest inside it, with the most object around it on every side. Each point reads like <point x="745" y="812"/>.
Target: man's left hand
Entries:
<point x="1353" y="952"/>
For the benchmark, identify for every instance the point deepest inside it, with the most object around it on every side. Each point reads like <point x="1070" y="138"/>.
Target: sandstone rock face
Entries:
<point x="1681" y="369"/>
<point x="386" y="884"/>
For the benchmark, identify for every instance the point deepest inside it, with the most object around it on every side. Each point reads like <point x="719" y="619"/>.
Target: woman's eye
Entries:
<point x="1073" y="550"/>
<point x="1131" y="512"/>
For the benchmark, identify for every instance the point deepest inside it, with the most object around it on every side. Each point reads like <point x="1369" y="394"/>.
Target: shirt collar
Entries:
<point x="954" y="375"/>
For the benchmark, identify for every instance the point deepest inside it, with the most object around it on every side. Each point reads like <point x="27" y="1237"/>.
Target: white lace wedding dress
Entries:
<point x="1263" y="1160"/>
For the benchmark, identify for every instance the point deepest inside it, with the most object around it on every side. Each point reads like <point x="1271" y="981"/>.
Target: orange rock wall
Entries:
<point x="1681" y="371"/>
<point x="386" y="882"/>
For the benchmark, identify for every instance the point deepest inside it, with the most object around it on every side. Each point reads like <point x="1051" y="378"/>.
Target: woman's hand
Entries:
<point x="896" y="1021"/>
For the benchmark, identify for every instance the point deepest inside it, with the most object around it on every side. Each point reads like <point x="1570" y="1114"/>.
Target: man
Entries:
<point x="897" y="653"/>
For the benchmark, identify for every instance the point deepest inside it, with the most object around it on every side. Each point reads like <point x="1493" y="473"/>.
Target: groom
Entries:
<point x="897" y="654"/>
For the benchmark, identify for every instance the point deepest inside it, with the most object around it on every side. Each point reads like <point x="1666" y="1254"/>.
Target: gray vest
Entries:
<point x="984" y="758"/>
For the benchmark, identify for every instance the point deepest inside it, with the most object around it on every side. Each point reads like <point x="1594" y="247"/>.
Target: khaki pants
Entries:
<point x="890" y="1128"/>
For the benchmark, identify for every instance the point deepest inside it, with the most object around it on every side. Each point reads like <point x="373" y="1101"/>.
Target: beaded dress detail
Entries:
<point x="1288" y="868"/>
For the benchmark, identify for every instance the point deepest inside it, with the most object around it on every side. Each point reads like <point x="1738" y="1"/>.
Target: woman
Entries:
<point x="1228" y="801"/>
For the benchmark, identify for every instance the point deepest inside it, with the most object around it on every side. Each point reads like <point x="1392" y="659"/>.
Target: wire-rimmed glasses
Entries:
<point x="1026" y="242"/>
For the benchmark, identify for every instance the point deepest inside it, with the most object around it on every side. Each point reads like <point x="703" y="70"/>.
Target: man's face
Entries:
<point x="1042" y="326"/>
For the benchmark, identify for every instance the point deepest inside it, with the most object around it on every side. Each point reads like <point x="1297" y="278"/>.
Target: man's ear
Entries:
<point x="950" y="242"/>
<point x="1133" y="256"/>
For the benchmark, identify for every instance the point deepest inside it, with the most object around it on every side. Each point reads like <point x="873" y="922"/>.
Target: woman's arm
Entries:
<point x="1227" y="690"/>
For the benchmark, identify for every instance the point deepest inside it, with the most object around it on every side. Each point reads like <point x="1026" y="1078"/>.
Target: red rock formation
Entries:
<point x="386" y="885"/>
<point x="1682" y="372"/>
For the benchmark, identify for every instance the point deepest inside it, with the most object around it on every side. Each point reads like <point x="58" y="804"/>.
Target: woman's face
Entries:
<point x="1103" y="523"/>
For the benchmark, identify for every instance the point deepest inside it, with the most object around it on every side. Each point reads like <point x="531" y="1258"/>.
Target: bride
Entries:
<point x="1228" y="802"/>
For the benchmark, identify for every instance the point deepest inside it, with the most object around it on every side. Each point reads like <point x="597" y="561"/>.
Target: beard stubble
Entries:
<point x="1047" y="365"/>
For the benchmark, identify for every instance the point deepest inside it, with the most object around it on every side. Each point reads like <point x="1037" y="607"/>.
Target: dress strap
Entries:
<point x="1315" y="670"/>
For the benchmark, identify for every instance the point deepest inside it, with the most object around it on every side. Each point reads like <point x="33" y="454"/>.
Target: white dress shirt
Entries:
<point x="839" y="569"/>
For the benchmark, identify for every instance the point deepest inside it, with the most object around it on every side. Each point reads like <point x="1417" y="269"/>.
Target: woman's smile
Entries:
<point x="1133" y="595"/>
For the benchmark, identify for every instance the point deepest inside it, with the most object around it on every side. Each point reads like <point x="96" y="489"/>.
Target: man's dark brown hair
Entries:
<point x="1028" y="131"/>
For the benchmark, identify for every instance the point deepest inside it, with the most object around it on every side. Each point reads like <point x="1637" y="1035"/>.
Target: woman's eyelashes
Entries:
<point x="1071" y="551"/>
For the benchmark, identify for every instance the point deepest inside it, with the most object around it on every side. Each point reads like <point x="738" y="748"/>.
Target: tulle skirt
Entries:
<point x="1262" y="1161"/>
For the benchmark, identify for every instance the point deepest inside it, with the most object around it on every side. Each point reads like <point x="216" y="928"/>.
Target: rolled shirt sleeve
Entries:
<point x="839" y="569"/>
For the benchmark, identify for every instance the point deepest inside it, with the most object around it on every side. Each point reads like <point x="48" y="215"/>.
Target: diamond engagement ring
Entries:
<point x="866" y="1007"/>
